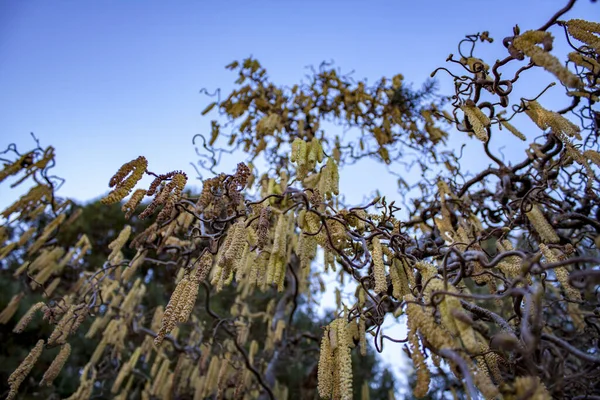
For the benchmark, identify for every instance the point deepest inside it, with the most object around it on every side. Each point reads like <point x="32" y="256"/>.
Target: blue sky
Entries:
<point x="106" y="81"/>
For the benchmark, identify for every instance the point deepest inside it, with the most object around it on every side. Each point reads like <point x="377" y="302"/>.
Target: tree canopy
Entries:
<point x="209" y="295"/>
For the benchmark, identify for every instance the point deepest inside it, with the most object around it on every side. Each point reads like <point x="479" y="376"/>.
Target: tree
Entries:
<point x="495" y="271"/>
<point x="99" y="223"/>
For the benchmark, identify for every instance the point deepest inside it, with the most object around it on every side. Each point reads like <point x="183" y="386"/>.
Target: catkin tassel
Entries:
<point x="378" y="267"/>
<point x="56" y="366"/>
<point x="18" y="376"/>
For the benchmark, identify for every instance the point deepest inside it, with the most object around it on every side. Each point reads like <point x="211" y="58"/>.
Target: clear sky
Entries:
<point x="106" y="81"/>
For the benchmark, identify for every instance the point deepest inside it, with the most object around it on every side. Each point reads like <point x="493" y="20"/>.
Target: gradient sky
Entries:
<point x="106" y="81"/>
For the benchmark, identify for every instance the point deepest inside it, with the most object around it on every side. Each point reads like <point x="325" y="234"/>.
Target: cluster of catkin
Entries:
<point x="108" y="287"/>
<point x="566" y="131"/>
<point x="335" y="362"/>
<point x="246" y="256"/>
<point x="116" y="245"/>
<point x="31" y="203"/>
<point x="510" y="127"/>
<point x="586" y="32"/>
<point x="379" y="110"/>
<point x="477" y="119"/>
<point x="528" y="42"/>
<point x="16" y="166"/>
<point x="277" y="265"/>
<point x="28" y="163"/>
<point x="125" y="179"/>
<point x="231" y="255"/>
<point x="23" y="370"/>
<point x="306" y="156"/>
<point x="167" y="196"/>
<point x="18" y="376"/>
<point x="183" y="299"/>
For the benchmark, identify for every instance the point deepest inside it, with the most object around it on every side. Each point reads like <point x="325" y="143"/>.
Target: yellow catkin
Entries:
<point x="426" y="269"/>
<point x="222" y="375"/>
<point x="365" y="391"/>
<point x="18" y="376"/>
<point x="171" y="313"/>
<point x="584" y="32"/>
<point x="586" y="62"/>
<point x="579" y="93"/>
<point x="279" y="328"/>
<point x="114" y="335"/>
<point x="56" y="366"/>
<point x="204" y="266"/>
<point x="343" y="360"/>
<point x="66" y="259"/>
<point x="74" y="216"/>
<point x="300" y="151"/>
<point x="30" y="169"/>
<point x="329" y="179"/>
<point x="378" y="267"/>
<point x="41" y="240"/>
<point x="545" y="119"/>
<point x="51" y="287"/>
<point x="491" y="361"/>
<point x="234" y="253"/>
<point x="161" y="378"/>
<point x="527" y="43"/>
<point x="423" y="376"/>
<point x="86" y="384"/>
<point x="252" y="351"/>
<point x="41" y="277"/>
<point x="126" y="370"/>
<point x="137" y="261"/>
<point x="6" y="250"/>
<point x="135" y="169"/>
<point x="189" y="299"/>
<point x="11" y="308"/>
<point x="69" y="322"/>
<point x="513" y="130"/>
<point x="399" y="279"/>
<point x="277" y="264"/>
<point x="133" y="297"/>
<point x="26" y="236"/>
<point x="15" y="167"/>
<point x="450" y="308"/>
<point x="316" y="150"/>
<point x="576" y="316"/>
<point x="483" y="381"/>
<point x="295" y="149"/>
<point x="136" y="198"/>
<point x="212" y="376"/>
<point x="98" y="324"/>
<point x="124" y="394"/>
<point x="117" y="244"/>
<point x="307" y="250"/>
<point x="26" y="319"/>
<point x="326" y="366"/>
<point x="562" y="274"/>
<point x="478" y="120"/>
<point x="362" y="335"/>
<point x="510" y="266"/>
<point x="542" y="226"/>
<point x="35" y="196"/>
<point x="230" y="255"/>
